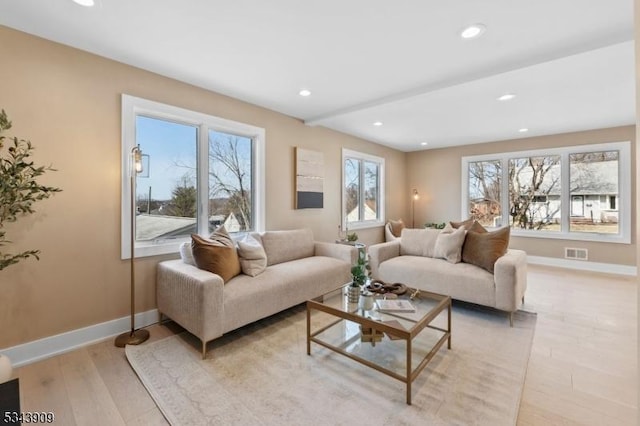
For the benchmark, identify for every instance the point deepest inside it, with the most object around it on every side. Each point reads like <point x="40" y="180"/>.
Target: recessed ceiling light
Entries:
<point x="304" y="92"/>
<point x="86" y="3"/>
<point x="473" y="31"/>
<point x="523" y="130"/>
<point x="506" y="97"/>
<point x="424" y="143"/>
<point x="378" y="123"/>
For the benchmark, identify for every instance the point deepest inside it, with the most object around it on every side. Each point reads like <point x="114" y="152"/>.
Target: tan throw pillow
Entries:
<point x="253" y="259"/>
<point x="449" y="245"/>
<point x="217" y="254"/>
<point x="396" y="227"/>
<point x="466" y="223"/>
<point x="483" y="249"/>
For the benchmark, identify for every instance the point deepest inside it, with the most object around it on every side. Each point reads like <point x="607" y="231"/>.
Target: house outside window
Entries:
<point x="200" y="172"/>
<point x="363" y="190"/>
<point x="579" y="192"/>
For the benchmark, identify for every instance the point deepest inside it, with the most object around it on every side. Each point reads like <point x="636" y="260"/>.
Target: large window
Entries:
<point x="579" y="193"/>
<point x="363" y="190"/>
<point x="200" y="172"/>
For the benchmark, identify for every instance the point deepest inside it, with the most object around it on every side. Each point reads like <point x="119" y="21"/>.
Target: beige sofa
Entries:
<point x="298" y="269"/>
<point x="404" y="261"/>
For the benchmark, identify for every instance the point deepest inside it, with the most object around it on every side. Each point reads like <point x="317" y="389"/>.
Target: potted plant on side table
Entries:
<point x="359" y="274"/>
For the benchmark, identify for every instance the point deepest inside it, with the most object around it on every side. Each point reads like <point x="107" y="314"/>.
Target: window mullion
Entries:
<point x="203" y="180"/>
<point x="361" y="189"/>
<point x="506" y="203"/>
<point x="565" y="193"/>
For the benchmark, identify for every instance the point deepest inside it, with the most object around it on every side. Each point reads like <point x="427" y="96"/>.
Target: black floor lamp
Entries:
<point x="133" y="337"/>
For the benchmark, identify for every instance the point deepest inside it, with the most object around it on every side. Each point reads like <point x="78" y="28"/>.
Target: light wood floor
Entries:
<point x="583" y="367"/>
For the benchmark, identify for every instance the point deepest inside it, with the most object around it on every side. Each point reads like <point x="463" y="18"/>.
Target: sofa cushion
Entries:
<point x="253" y="259"/>
<point x="449" y="245"/>
<point x="217" y="254"/>
<point x="483" y="249"/>
<point x="461" y="281"/>
<point x="418" y="242"/>
<point x="396" y="227"/>
<point x="279" y="287"/>
<point x="283" y="246"/>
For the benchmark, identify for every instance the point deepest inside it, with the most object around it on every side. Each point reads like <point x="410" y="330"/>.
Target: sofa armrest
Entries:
<point x="510" y="276"/>
<point x="378" y="253"/>
<point x="339" y="251"/>
<point x="191" y="297"/>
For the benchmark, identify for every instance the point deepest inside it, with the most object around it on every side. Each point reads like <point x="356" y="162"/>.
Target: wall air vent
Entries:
<point x="576" y="253"/>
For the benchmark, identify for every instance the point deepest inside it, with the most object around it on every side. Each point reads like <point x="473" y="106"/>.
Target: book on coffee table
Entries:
<point x="395" y="305"/>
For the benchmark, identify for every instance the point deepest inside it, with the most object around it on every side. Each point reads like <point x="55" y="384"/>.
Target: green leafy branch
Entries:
<point x="19" y="189"/>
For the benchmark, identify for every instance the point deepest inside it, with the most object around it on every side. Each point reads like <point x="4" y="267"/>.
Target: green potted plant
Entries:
<point x="359" y="274"/>
<point x="19" y="190"/>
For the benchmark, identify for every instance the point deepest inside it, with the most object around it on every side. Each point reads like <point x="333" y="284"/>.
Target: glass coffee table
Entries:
<point x="389" y="342"/>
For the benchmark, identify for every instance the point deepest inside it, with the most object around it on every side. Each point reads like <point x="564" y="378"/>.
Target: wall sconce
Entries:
<point x="415" y="198"/>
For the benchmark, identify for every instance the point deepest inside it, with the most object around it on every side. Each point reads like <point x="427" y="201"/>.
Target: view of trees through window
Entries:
<point x="535" y="192"/>
<point x="167" y="193"/>
<point x="485" y="188"/>
<point x="362" y="190"/>
<point x="230" y="181"/>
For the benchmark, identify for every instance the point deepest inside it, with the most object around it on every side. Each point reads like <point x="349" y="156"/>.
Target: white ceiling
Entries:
<point x="570" y="62"/>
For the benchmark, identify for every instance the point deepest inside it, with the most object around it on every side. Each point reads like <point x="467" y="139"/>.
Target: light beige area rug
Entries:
<point x="261" y="375"/>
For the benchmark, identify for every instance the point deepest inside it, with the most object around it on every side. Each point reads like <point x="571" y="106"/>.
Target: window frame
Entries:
<point x="132" y="107"/>
<point x="363" y="157"/>
<point x="624" y="190"/>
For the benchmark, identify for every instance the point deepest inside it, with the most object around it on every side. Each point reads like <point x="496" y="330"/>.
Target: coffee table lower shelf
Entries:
<point x="401" y="334"/>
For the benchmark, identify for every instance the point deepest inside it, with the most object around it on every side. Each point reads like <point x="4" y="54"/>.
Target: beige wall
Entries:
<point x="637" y="175"/>
<point x="437" y="176"/>
<point x="67" y="102"/>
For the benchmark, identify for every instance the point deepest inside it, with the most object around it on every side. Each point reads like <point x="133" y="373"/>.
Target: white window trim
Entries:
<point x="347" y="153"/>
<point x="133" y="106"/>
<point x="624" y="189"/>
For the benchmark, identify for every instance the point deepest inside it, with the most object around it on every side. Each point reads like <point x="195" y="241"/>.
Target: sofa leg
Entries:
<point x="160" y="317"/>
<point x="511" y="319"/>
<point x="523" y="299"/>
<point x="204" y="350"/>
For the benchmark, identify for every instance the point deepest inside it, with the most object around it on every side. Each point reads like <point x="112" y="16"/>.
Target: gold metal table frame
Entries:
<point x="356" y="315"/>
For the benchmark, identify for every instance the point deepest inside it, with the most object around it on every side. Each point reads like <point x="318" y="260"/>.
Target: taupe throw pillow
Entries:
<point x="466" y="223"/>
<point x="476" y="227"/>
<point x="396" y="227"/>
<point x="217" y="254"/>
<point x="253" y="259"/>
<point x="449" y="245"/>
<point x="483" y="249"/>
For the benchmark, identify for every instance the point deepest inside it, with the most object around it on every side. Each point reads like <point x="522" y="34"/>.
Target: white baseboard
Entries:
<point x="37" y="350"/>
<point x="609" y="268"/>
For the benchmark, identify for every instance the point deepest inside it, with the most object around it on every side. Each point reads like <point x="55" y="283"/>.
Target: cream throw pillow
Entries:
<point x="186" y="254"/>
<point x="253" y="259"/>
<point x="449" y="245"/>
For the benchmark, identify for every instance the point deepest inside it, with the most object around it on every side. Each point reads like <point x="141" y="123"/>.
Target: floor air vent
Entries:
<point x="575" y="253"/>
